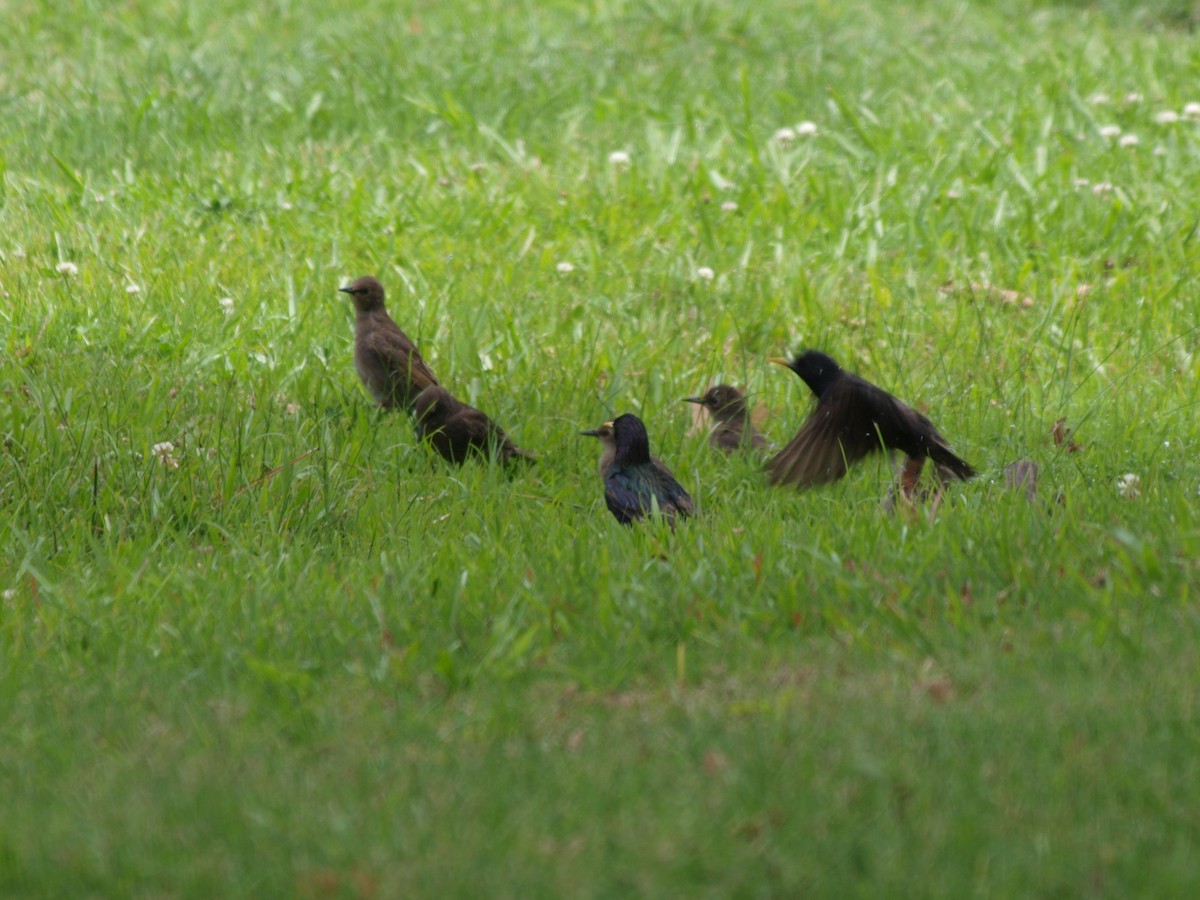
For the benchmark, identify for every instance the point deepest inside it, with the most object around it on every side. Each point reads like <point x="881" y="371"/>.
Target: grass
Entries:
<point x="312" y="660"/>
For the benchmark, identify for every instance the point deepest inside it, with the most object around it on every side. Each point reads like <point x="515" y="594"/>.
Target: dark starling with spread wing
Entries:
<point x="634" y="481"/>
<point x="733" y="429"/>
<point x="457" y="430"/>
<point x="854" y="418"/>
<point x="387" y="361"/>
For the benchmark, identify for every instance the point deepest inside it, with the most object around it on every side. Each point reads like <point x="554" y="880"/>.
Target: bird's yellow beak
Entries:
<point x="780" y="361"/>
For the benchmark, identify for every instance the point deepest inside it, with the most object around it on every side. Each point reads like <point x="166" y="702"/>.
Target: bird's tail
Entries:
<point x="949" y="465"/>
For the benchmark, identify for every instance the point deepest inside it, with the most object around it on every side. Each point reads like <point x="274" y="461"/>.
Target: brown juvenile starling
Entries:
<point x="387" y="361"/>
<point x="733" y="429"/>
<point x="635" y="482"/>
<point x="457" y="430"/>
<point x="852" y="419"/>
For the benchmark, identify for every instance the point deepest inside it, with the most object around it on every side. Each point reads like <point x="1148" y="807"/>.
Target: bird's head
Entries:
<point x="724" y="402"/>
<point x="604" y="434"/>
<point x="433" y="404"/>
<point x="366" y="292"/>
<point x="629" y="435"/>
<point x="817" y="369"/>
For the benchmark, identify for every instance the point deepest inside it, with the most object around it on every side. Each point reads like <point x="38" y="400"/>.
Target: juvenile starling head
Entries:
<point x="366" y="293"/>
<point x="852" y="419"/>
<point x="723" y="402"/>
<point x="608" y="441"/>
<point x="733" y="431"/>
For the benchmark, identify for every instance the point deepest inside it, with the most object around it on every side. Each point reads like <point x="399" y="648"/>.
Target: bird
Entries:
<point x="852" y="419"/>
<point x="387" y="361"/>
<point x="456" y="430"/>
<point x="727" y="407"/>
<point x="634" y="481"/>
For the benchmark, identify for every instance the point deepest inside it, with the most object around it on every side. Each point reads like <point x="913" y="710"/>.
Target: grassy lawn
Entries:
<point x="257" y="641"/>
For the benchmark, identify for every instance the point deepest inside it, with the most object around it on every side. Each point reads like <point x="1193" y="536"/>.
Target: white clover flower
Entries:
<point x="1109" y="131"/>
<point x="704" y="273"/>
<point x="164" y="452"/>
<point x="618" y="158"/>
<point x="291" y="409"/>
<point x="1160" y="151"/>
<point x="485" y="362"/>
<point x="1133" y="97"/>
<point x="564" y="268"/>
<point x="1191" y="110"/>
<point x="133" y="289"/>
<point x="1081" y="182"/>
<point x="806" y="129"/>
<point x="285" y="205"/>
<point x="1128" y="140"/>
<point x="729" y="206"/>
<point x="1166" y="117"/>
<point x="226" y="304"/>
<point x="67" y="268"/>
<point x="1102" y="187"/>
<point x="952" y="194"/>
<point x="9" y="593"/>
<point x="1098" y="99"/>
<point x="100" y="198"/>
<point x="1129" y="485"/>
<point x="784" y="136"/>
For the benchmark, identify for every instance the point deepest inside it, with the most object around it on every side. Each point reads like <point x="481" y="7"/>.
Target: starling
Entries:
<point x="727" y="407"/>
<point x="852" y="419"/>
<point x="387" y="361"/>
<point x="634" y="481"/>
<point x="457" y="430"/>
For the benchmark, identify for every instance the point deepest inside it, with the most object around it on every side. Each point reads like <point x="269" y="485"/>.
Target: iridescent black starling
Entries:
<point x="635" y="482"/>
<point x="852" y="419"/>
<point x="387" y="361"/>
<point x="457" y="430"/>
<point x="733" y="429"/>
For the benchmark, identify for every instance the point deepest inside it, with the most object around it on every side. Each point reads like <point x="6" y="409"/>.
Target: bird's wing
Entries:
<point x="902" y="427"/>
<point x="670" y="493"/>
<point x="393" y="350"/>
<point x="623" y="497"/>
<point x="835" y="436"/>
<point x="813" y="456"/>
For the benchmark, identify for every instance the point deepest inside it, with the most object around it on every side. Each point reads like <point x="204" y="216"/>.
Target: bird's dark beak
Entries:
<point x="346" y="290"/>
<point x="780" y="361"/>
<point x="591" y="432"/>
<point x="697" y="400"/>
